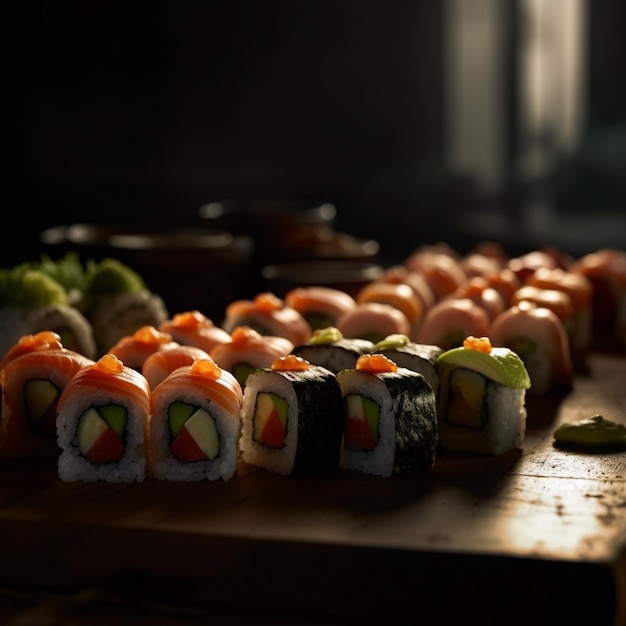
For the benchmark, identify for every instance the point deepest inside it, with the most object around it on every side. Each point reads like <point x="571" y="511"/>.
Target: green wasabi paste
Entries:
<point x="110" y="276"/>
<point x="593" y="432"/>
<point x="392" y="341"/>
<point x="326" y="336"/>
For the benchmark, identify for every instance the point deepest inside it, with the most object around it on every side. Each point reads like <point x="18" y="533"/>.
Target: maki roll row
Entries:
<point x="375" y="418"/>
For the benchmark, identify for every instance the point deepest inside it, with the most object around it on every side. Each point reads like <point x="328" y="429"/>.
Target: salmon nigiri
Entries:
<point x="195" y="423"/>
<point x="102" y="423"/>
<point x="31" y="385"/>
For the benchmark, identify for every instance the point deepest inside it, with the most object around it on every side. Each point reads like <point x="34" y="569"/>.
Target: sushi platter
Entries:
<point x="538" y="528"/>
<point x="420" y="475"/>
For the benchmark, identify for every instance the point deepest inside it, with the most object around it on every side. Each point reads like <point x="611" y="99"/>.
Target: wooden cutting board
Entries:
<point x="535" y="532"/>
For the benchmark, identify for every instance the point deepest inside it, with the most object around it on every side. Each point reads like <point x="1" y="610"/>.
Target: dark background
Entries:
<point x="143" y="114"/>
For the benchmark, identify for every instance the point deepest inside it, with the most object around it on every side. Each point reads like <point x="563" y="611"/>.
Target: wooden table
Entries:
<point x="517" y="539"/>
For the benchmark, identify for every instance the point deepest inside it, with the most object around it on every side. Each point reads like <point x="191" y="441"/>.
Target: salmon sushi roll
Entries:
<point x="580" y="290"/>
<point x="268" y="315"/>
<point x="398" y="295"/>
<point x="195" y="424"/>
<point x="451" y="320"/>
<point x="134" y="349"/>
<point x="373" y="321"/>
<point x="320" y="306"/>
<point x="193" y="328"/>
<point x="390" y="418"/>
<point x="248" y="350"/>
<point x="102" y="423"/>
<point x="43" y="340"/>
<point x="292" y="418"/>
<point x="537" y="335"/>
<point x="31" y="386"/>
<point x="160" y="364"/>
<point x="606" y="269"/>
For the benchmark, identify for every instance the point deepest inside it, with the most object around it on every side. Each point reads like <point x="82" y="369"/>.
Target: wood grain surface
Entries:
<point x="517" y="539"/>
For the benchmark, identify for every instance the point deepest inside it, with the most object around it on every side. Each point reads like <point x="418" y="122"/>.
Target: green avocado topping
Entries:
<point x="501" y="365"/>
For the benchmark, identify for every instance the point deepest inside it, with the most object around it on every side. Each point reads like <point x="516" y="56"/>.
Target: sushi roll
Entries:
<point x="134" y="349"/>
<point x="31" y="385"/>
<point x="292" y="418"/>
<point x="320" y="306"/>
<point x="102" y="424"/>
<point x="398" y="295"/>
<point x="160" y="364"/>
<point x="537" y="335"/>
<point x="390" y="418"/>
<point x="31" y="300"/>
<point x="606" y="270"/>
<point x="195" y="424"/>
<point x="580" y="290"/>
<point x="418" y="357"/>
<point x="116" y="302"/>
<point x="248" y="350"/>
<point x="268" y="315"/>
<point x="481" y="403"/>
<point x="330" y="349"/>
<point x="194" y="328"/>
<point x="43" y="340"/>
<point x="451" y="320"/>
<point x="373" y="321"/>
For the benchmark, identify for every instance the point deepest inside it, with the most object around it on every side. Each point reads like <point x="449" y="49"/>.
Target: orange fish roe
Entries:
<point x="375" y="363"/>
<point x="207" y="368"/>
<point x="244" y="334"/>
<point x="109" y="363"/>
<point x="151" y="335"/>
<point x="268" y="302"/>
<point x="191" y="319"/>
<point x="480" y="344"/>
<point x="290" y="362"/>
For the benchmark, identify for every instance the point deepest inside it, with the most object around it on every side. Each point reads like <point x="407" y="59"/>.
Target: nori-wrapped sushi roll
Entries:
<point x="330" y="349"/>
<point x="419" y="357"/>
<point x="292" y="418"/>
<point x="390" y="418"/>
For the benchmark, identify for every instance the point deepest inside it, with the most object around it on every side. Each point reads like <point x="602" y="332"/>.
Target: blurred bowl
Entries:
<point x="348" y="276"/>
<point x="268" y="222"/>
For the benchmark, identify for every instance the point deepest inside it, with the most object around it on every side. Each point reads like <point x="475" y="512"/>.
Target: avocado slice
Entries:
<point x="39" y="395"/>
<point x="178" y="413"/>
<point x="501" y="365"/>
<point x="115" y="415"/>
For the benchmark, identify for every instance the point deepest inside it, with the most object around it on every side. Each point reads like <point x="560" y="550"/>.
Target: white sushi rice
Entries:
<point x="280" y="461"/>
<point x="380" y="460"/>
<point x="165" y="467"/>
<point x="504" y="429"/>
<point x="73" y="466"/>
